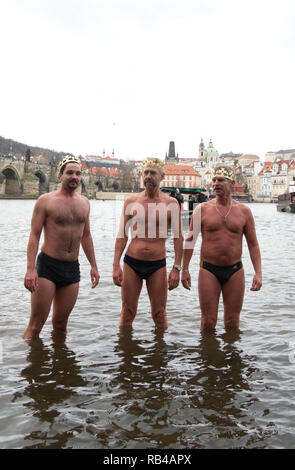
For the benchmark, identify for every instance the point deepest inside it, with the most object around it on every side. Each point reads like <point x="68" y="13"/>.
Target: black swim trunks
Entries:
<point x="222" y="273"/>
<point x="61" y="273"/>
<point x="144" y="269"/>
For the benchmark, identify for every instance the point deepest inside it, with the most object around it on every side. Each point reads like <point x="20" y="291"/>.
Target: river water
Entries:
<point x="102" y="388"/>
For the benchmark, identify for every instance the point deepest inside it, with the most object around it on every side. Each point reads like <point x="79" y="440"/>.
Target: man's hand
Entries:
<point x="173" y="279"/>
<point x="94" y="274"/>
<point x="31" y="280"/>
<point x="186" y="279"/>
<point x="257" y="282"/>
<point x="117" y="275"/>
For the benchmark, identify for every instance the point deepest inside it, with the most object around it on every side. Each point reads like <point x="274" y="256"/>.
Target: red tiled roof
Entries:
<point x="102" y="158"/>
<point x="266" y="167"/>
<point x="180" y="170"/>
<point x="99" y="171"/>
<point x="248" y="156"/>
<point x="114" y="172"/>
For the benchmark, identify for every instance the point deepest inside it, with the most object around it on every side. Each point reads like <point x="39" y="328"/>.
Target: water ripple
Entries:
<point x="141" y="388"/>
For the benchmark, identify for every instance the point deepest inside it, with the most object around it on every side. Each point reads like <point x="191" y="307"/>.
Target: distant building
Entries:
<point x="225" y="157"/>
<point x="246" y="159"/>
<point x="180" y="176"/>
<point x="265" y="182"/>
<point x="209" y="156"/>
<point x="96" y="161"/>
<point x="280" y="155"/>
<point x="171" y="157"/>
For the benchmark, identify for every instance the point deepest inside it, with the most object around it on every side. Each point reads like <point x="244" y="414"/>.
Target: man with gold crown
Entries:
<point x="148" y="215"/>
<point x="222" y="223"/>
<point x="64" y="216"/>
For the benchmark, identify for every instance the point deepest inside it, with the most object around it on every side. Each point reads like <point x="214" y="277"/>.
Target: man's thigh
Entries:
<point x="41" y="299"/>
<point x="131" y="286"/>
<point x="233" y="296"/>
<point x="157" y="288"/>
<point x="64" y="301"/>
<point x="209" y="293"/>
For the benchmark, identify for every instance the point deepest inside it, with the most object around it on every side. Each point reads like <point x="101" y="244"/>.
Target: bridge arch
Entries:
<point x="43" y="181"/>
<point x="83" y="188"/>
<point x="13" y="186"/>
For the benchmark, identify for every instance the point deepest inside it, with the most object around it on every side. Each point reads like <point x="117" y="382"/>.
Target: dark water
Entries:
<point x="104" y="388"/>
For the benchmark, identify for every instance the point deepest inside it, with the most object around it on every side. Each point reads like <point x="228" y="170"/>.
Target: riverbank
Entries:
<point x="112" y="196"/>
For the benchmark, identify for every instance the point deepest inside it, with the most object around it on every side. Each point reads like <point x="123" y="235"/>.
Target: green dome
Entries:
<point x="210" y="148"/>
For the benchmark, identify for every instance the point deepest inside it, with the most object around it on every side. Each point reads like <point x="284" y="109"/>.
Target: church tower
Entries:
<point x="171" y="157"/>
<point x="201" y="150"/>
<point x="211" y="155"/>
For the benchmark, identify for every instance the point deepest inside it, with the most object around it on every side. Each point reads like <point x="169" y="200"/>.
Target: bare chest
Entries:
<point x="212" y="221"/>
<point x="149" y="213"/>
<point x="67" y="215"/>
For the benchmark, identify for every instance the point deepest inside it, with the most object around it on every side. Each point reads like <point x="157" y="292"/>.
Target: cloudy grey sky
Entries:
<point x="85" y="75"/>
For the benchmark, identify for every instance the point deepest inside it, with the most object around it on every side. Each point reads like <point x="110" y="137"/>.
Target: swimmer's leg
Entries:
<point x="41" y="301"/>
<point x="130" y="291"/>
<point x="209" y="293"/>
<point x="64" y="302"/>
<point x="157" y="289"/>
<point x="233" y="296"/>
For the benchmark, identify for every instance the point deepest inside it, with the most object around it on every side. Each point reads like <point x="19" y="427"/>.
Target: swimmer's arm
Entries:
<point x="254" y="250"/>
<point x="88" y="248"/>
<point x="189" y="244"/>
<point x="37" y="223"/>
<point x="177" y="234"/>
<point x="120" y="244"/>
<point x="173" y="278"/>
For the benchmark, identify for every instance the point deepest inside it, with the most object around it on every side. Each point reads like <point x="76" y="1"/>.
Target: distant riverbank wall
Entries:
<point x="110" y="196"/>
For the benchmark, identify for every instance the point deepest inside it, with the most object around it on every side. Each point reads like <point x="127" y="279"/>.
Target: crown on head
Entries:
<point x="154" y="163"/>
<point x="68" y="159"/>
<point x="224" y="173"/>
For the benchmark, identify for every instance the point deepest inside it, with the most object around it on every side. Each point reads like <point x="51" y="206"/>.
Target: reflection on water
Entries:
<point x="169" y="403"/>
<point x="53" y="376"/>
<point x="101" y="387"/>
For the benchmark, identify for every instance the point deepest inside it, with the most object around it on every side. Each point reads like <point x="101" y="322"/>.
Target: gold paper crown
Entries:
<point x="154" y="163"/>
<point x="68" y="159"/>
<point x="224" y="173"/>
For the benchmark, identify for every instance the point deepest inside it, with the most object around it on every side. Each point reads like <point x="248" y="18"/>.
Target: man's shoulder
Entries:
<point x="241" y="206"/>
<point x="137" y="197"/>
<point x="45" y="198"/>
<point x="245" y="210"/>
<point x="82" y="198"/>
<point x="203" y="206"/>
<point x="169" y="199"/>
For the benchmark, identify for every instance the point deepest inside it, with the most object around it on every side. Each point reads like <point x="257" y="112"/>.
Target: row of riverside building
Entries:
<point x="263" y="181"/>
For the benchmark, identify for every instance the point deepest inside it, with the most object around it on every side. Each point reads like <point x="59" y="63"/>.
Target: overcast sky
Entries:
<point x="81" y="76"/>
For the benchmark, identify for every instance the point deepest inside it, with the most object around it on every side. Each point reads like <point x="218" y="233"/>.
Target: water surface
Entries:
<point x="142" y="388"/>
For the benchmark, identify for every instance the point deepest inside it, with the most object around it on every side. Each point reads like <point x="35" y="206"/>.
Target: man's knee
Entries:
<point x="208" y="323"/>
<point x="160" y="317"/>
<point x="59" y="325"/>
<point x="127" y="314"/>
<point x="231" y="322"/>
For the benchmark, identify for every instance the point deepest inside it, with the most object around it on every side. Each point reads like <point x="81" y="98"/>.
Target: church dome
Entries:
<point x="210" y="148"/>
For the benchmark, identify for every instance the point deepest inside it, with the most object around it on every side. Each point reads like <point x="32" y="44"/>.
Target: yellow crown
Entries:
<point x="154" y="163"/>
<point x="224" y="173"/>
<point x="68" y="159"/>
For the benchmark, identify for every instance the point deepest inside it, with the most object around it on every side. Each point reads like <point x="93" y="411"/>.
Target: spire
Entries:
<point x="171" y="153"/>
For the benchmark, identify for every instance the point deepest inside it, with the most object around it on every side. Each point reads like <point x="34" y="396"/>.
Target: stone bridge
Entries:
<point x="19" y="178"/>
